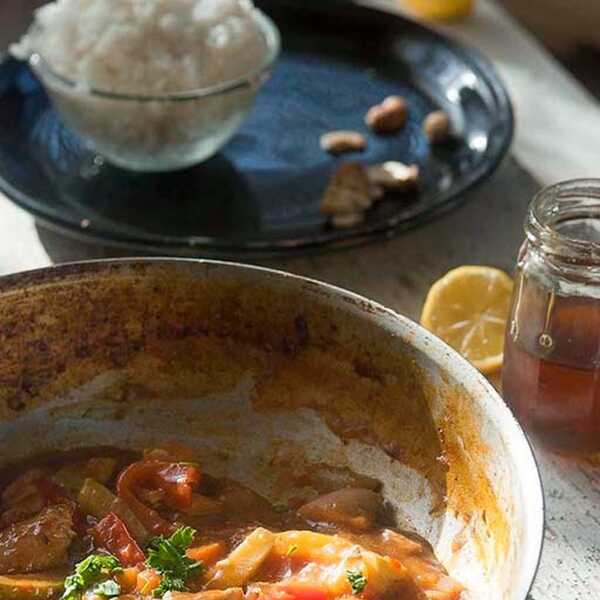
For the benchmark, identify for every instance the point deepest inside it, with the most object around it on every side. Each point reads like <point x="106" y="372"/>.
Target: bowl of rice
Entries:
<point x="152" y="85"/>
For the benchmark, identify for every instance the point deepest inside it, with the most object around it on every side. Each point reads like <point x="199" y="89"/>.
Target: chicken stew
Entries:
<point x="112" y="524"/>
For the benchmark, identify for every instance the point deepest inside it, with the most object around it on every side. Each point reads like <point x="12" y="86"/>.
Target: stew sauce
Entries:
<point x="114" y="524"/>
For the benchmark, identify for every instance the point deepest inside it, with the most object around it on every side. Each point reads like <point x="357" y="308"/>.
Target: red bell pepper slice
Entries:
<point x="113" y="534"/>
<point x="176" y="479"/>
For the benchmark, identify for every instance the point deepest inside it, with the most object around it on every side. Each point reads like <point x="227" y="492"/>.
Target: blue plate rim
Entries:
<point x="326" y="238"/>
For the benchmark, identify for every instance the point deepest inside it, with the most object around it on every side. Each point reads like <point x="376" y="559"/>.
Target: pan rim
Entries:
<point x="411" y="332"/>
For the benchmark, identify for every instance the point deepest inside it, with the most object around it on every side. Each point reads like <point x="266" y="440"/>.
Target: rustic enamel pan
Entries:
<point x="265" y="373"/>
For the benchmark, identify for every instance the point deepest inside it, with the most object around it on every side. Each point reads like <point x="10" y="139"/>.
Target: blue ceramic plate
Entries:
<point x="261" y="194"/>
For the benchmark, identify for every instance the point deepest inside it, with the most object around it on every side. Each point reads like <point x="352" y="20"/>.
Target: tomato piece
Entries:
<point x="275" y="594"/>
<point x="113" y="534"/>
<point x="137" y="475"/>
<point x="178" y="482"/>
<point x="300" y="592"/>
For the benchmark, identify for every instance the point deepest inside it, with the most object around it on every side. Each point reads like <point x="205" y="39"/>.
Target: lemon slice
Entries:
<point x="468" y="308"/>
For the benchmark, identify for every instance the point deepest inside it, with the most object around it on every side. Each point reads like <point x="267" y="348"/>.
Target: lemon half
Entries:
<point x="468" y="308"/>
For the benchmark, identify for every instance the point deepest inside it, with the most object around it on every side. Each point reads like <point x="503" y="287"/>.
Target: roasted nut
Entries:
<point x="338" y="142"/>
<point x="437" y="127"/>
<point x="348" y="192"/>
<point x="389" y="116"/>
<point x="394" y="175"/>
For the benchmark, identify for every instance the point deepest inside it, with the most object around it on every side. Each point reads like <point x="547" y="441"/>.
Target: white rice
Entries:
<point x="147" y="46"/>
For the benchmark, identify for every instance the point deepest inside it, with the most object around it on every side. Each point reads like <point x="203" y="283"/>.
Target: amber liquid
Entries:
<point x="551" y="375"/>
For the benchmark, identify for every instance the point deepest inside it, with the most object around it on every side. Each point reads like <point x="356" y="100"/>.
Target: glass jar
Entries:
<point x="551" y="374"/>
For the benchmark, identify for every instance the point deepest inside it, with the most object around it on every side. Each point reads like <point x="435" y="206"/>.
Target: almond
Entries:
<point x="338" y="142"/>
<point x="389" y="116"/>
<point x="437" y="127"/>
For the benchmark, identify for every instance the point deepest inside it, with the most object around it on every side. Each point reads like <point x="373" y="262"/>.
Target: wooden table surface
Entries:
<point x="487" y="229"/>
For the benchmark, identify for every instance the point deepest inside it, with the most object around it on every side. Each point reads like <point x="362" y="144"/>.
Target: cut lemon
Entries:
<point x="468" y="309"/>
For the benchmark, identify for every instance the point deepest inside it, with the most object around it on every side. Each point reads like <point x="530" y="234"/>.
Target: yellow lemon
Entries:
<point x="439" y="9"/>
<point x="468" y="309"/>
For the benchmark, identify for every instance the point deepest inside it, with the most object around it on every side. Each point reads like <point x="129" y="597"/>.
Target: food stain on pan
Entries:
<point x="470" y="491"/>
<point x="117" y="314"/>
<point x="301" y="349"/>
<point x="359" y="401"/>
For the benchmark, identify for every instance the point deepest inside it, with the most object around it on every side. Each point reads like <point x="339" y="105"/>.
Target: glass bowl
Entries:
<point x="158" y="132"/>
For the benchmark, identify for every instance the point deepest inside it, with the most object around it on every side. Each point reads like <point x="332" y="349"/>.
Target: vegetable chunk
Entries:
<point x="237" y="569"/>
<point x="39" y="586"/>
<point x="112" y="533"/>
<point x="350" y="507"/>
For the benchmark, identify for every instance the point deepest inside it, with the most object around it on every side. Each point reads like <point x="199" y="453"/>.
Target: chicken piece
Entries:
<point x="22" y="487"/>
<point x="354" y="508"/>
<point x="21" y="499"/>
<point x="426" y="570"/>
<point x="235" y="593"/>
<point x="38" y="544"/>
<point x="28" y="508"/>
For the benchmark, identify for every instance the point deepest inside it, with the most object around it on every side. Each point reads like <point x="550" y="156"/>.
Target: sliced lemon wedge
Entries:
<point x="468" y="308"/>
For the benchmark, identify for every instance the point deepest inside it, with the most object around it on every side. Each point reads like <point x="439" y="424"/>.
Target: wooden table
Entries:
<point x="554" y="141"/>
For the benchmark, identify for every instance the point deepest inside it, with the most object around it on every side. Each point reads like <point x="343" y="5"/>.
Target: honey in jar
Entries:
<point x="551" y="374"/>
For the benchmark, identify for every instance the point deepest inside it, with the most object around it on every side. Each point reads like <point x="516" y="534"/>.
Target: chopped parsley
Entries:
<point x="291" y="549"/>
<point x="168" y="557"/>
<point x="108" y="589"/>
<point x="357" y="580"/>
<point x="89" y="571"/>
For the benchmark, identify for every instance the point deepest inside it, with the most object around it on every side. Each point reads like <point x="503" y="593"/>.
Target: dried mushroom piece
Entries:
<point x="394" y="176"/>
<point x="338" y="142"/>
<point x="348" y="192"/>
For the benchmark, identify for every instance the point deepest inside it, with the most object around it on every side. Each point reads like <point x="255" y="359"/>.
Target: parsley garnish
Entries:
<point x="357" y="580"/>
<point x="87" y="572"/>
<point x="108" y="588"/>
<point x="291" y="549"/>
<point x="168" y="557"/>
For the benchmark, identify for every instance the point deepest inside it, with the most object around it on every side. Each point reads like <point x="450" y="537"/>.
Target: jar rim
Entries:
<point x="558" y="204"/>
